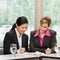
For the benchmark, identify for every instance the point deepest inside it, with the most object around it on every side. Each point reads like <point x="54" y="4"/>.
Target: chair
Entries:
<point x="1" y="51"/>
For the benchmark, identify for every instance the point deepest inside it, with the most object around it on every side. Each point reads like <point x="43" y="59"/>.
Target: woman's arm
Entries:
<point x="6" y="44"/>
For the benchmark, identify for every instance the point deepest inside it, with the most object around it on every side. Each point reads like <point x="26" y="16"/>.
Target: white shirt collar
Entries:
<point x="18" y="35"/>
<point x="19" y="38"/>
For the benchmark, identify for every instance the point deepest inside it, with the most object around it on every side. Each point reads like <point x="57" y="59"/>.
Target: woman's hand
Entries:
<point x="48" y="51"/>
<point x="22" y="50"/>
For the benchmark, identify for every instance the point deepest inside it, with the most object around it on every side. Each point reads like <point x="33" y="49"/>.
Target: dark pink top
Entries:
<point x="47" y="33"/>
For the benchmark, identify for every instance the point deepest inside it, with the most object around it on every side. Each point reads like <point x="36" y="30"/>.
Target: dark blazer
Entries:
<point x="49" y="42"/>
<point x="10" y="38"/>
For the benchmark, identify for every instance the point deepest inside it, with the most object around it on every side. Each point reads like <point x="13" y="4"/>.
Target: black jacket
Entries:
<point x="49" y="42"/>
<point x="10" y="38"/>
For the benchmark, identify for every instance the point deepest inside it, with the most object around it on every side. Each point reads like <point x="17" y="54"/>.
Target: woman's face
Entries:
<point x="22" y="28"/>
<point x="43" y="27"/>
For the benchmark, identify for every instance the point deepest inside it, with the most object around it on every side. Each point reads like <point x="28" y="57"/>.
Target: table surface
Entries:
<point x="19" y="56"/>
<point x="29" y="55"/>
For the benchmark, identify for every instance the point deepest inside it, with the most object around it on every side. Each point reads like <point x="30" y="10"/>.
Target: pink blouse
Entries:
<point x="47" y="33"/>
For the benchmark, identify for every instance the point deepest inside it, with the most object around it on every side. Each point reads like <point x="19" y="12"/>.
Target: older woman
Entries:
<point x="43" y="39"/>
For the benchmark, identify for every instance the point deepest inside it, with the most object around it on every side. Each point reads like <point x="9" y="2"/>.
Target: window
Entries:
<point x="52" y="9"/>
<point x="10" y="10"/>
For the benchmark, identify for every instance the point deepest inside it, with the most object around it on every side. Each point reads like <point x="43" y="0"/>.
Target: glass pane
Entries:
<point x="10" y="10"/>
<point x="52" y="9"/>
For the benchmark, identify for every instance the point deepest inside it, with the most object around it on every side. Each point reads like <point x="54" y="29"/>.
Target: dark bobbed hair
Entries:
<point x="46" y="20"/>
<point x="20" y="20"/>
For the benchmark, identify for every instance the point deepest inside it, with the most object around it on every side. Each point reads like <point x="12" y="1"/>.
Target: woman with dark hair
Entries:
<point x="43" y="39"/>
<point x="17" y="36"/>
